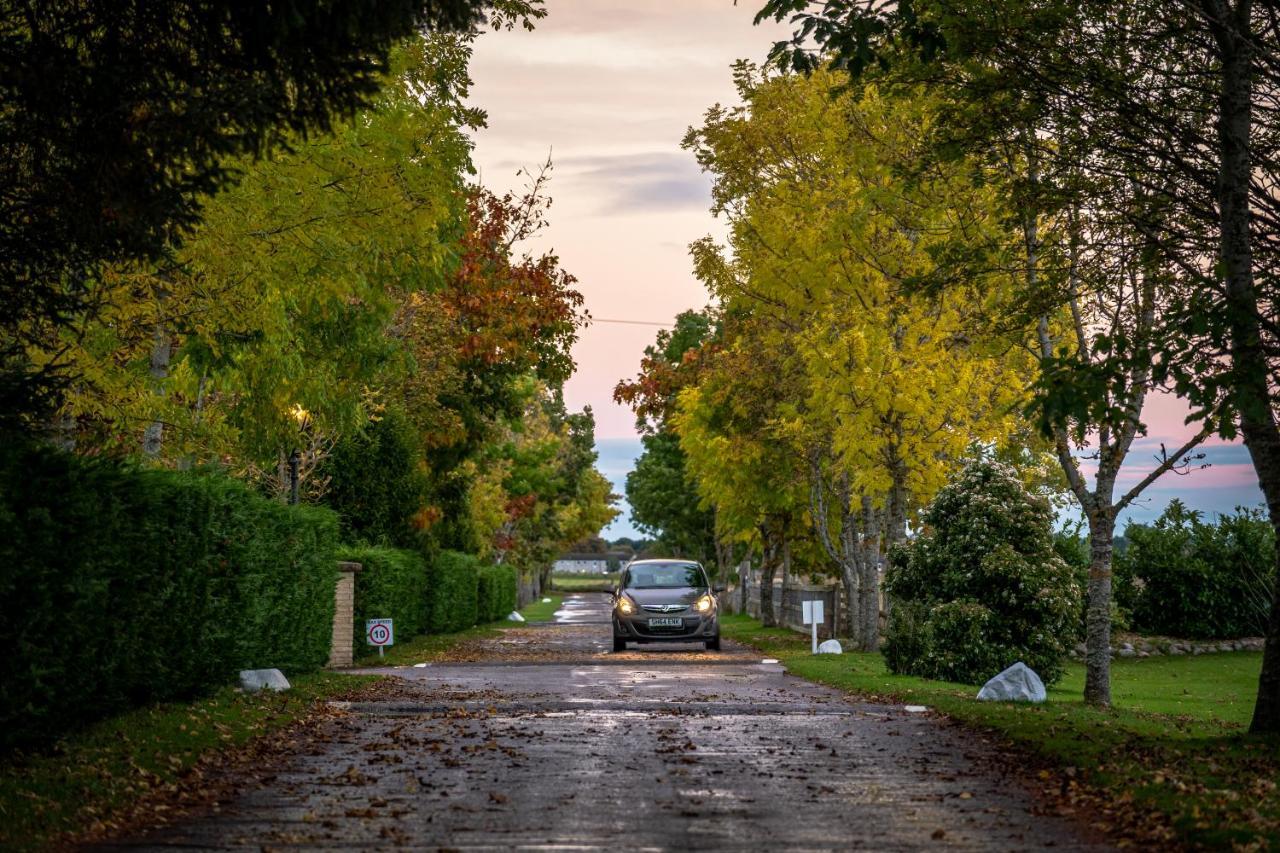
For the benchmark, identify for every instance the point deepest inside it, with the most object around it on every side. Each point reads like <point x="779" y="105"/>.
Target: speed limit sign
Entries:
<point x="380" y="633"/>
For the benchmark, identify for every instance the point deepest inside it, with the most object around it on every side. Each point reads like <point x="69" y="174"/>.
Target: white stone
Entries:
<point x="830" y="647"/>
<point x="515" y="617"/>
<point x="253" y="680"/>
<point x="1018" y="683"/>
<point x="546" y="601"/>
<point x="915" y="709"/>
<point x="1127" y="653"/>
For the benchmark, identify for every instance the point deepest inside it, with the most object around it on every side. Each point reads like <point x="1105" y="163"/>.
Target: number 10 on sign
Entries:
<point x="380" y="633"/>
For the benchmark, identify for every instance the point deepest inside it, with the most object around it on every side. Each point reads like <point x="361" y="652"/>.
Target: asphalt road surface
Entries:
<point x="545" y="740"/>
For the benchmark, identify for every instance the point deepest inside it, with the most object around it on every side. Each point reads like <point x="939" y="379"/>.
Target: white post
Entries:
<point x="814" y="626"/>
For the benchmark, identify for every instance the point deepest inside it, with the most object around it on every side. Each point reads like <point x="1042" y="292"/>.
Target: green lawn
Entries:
<point x="91" y="775"/>
<point x="1174" y="743"/>
<point x="583" y="583"/>
<point x="540" y="612"/>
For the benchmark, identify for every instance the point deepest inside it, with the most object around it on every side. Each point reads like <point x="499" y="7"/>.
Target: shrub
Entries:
<point x="392" y="584"/>
<point x="496" y="591"/>
<point x="122" y="587"/>
<point x="983" y="587"/>
<point x="1182" y="577"/>
<point x="451" y="592"/>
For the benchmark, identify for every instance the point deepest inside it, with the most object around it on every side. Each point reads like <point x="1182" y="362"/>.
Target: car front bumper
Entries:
<point x="693" y="628"/>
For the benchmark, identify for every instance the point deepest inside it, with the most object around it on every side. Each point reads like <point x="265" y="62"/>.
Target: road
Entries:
<point x="543" y="739"/>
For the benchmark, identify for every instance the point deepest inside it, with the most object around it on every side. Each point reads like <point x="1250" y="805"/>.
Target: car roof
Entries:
<point x="664" y="560"/>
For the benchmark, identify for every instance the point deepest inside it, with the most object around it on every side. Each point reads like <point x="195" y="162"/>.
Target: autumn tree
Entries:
<point x="827" y="242"/>
<point x="685" y="527"/>
<point x="122" y="119"/>
<point x="1147" y="140"/>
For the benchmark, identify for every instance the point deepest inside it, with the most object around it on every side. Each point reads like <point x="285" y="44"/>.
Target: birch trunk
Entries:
<point x="153" y="436"/>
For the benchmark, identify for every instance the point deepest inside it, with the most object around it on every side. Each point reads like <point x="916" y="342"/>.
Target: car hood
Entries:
<point x="686" y="595"/>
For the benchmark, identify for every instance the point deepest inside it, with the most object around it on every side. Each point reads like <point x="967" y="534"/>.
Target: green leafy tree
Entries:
<point x="121" y="119"/>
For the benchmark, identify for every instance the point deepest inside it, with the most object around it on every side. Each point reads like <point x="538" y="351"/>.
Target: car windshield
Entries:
<point x="665" y="576"/>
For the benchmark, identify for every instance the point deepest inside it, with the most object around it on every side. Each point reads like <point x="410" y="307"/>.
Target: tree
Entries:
<point x="730" y="431"/>
<point x="121" y="119"/>
<point x="657" y="486"/>
<point x="828" y="242"/>
<point x="283" y="298"/>
<point x="1180" y="95"/>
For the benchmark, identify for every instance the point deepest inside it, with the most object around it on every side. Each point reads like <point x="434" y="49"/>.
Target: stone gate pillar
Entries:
<point x="341" y="649"/>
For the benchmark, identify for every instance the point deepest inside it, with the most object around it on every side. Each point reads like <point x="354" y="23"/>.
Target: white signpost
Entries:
<point x="811" y="614"/>
<point x="380" y="633"/>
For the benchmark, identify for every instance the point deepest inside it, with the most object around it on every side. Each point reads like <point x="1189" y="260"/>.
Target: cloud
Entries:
<point x="646" y="182"/>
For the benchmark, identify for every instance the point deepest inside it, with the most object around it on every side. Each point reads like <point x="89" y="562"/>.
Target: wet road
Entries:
<point x="543" y="739"/>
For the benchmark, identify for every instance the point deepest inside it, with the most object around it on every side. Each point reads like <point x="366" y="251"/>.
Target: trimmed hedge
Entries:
<point x="496" y="590"/>
<point x="451" y="592"/>
<point x="391" y="585"/>
<point x="122" y="587"/>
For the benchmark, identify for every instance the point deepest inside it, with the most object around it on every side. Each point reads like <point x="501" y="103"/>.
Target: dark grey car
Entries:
<point x="665" y="601"/>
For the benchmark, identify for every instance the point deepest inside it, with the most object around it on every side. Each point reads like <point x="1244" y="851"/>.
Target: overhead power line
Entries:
<point x="632" y="322"/>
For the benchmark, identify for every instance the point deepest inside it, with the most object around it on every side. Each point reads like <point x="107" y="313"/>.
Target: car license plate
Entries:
<point x="667" y="622"/>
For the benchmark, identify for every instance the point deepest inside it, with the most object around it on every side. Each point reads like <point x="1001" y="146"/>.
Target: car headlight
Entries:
<point x="625" y="607"/>
<point x="705" y="603"/>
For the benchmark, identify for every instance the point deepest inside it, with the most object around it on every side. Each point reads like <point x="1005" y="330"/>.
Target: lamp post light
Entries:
<point x="303" y="417"/>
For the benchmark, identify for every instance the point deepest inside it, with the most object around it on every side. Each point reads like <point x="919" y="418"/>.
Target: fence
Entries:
<point x="788" y="607"/>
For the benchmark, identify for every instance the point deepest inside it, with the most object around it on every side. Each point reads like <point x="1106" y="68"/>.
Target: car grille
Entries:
<point x="664" y="608"/>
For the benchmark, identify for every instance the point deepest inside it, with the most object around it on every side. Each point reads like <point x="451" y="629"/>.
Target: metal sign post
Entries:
<point x="811" y="612"/>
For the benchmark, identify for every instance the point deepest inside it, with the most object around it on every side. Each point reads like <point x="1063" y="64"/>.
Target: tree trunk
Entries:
<point x="1097" y="680"/>
<point x="768" y="568"/>
<point x="744" y="578"/>
<point x="153" y="436"/>
<point x="1249" y="369"/>
<point x="786" y="581"/>
<point x="869" y="582"/>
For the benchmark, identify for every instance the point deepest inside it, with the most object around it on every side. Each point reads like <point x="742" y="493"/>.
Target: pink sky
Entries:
<point x="608" y="88"/>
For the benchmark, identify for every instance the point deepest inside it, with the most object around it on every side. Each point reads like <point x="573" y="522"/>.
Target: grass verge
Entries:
<point x="565" y="582"/>
<point x="87" y="779"/>
<point x="1174" y="748"/>
<point x="426" y="648"/>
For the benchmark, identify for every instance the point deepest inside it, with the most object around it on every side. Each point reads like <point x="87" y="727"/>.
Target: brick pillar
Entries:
<point x="341" y="651"/>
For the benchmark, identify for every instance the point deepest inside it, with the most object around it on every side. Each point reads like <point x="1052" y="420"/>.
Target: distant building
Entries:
<point x="579" y="563"/>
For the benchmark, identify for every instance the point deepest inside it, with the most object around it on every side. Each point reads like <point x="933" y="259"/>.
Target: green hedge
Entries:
<point x="122" y="587"/>
<point x="451" y="592"/>
<point x="1185" y="577"/>
<point x="495" y="592"/>
<point x="392" y="584"/>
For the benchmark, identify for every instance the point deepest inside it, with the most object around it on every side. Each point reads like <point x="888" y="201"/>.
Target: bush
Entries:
<point x="392" y="584"/>
<point x="1181" y="577"/>
<point x="496" y="591"/>
<point x="983" y="587"/>
<point x="122" y="587"/>
<point x="451" y="592"/>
